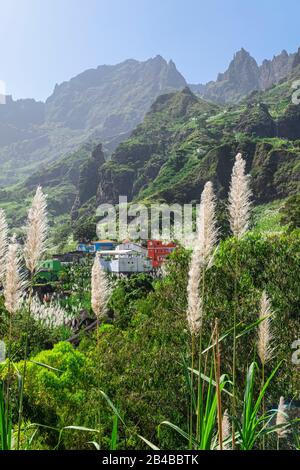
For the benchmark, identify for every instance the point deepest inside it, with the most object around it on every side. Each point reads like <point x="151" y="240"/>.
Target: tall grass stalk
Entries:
<point x="217" y="364"/>
<point x="206" y="440"/>
<point x="34" y="249"/>
<point x="3" y="245"/>
<point x="235" y="310"/>
<point x="254" y="423"/>
<point x="201" y="259"/>
<point x="239" y="216"/>
<point x="264" y="345"/>
<point x="100" y="291"/>
<point x="281" y="421"/>
<point x="3" y="267"/>
<point x="13" y="295"/>
<point x="5" y="422"/>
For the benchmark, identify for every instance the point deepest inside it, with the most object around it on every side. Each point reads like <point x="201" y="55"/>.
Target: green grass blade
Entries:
<point x="152" y="446"/>
<point x="112" y="406"/>
<point x="114" y="434"/>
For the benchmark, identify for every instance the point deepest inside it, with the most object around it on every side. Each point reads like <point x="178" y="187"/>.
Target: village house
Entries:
<point x="158" y="251"/>
<point x="124" y="261"/>
<point x="128" y="245"/>
<point x="96" y="246"/>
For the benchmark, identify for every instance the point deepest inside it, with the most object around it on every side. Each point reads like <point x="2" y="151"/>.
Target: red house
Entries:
<point x="158" y="251"/>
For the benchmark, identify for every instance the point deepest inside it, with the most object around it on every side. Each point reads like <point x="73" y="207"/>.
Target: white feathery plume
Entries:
<point x="226" y="431"/>
<point x="239" y="198"/>
<point x="100" y="289"/>
<point x="36" y="231"/>
<point x="50" y="315"/>
<point x="3" y="244"/>
<point x="264" y="346"/>
<point x="207" y="225"/>
<point x="194" y="309"/>
<point x="202" y="252"/>
<point x="14" y="285"/>
<point x="281" y="419"/>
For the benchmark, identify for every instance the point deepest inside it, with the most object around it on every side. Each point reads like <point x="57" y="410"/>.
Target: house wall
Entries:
<point x="86" y="248"/>
<point x="124" y="264"/>
<point x="104" y="246"/>
<point x="158" y="251"/>
<point x="132" y="246"/>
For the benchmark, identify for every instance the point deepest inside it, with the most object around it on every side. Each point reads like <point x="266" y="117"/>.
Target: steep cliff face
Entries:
<point x="241" y="77"/>
<point x="289" y="123"/>
<point x="244" y="76"/>
<point x="138" y="161"/>
<point x="113" y="98"/>
<point x="89" y="175"/>
<point x="272" y="71"/>
<point x="103" y="104"/>
<point x="182" y="142"/>
<point x="185" y="141"/>
<point x="18" y="118"/>
<point x="256" y="120"/>
<point x="243" y="72"/>
<point x="22" y="114"/>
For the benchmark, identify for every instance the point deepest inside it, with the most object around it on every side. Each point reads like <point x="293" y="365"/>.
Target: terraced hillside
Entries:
<point x="182" y="142"/>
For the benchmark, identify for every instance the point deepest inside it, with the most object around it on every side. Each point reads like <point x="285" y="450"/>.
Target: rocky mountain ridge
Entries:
<point x="103" y="104"/>
<point x="244" y="75"/>
<point x="182" y="142"/>
<point x="185" y="141"/>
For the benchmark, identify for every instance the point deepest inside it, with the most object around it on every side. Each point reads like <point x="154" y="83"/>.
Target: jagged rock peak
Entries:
<point x="244" y="76"/>
<point x="101" y="97"/>
<point x="296" y="60"/>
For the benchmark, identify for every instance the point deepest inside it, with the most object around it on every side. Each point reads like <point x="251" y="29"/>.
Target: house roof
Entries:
<point x="104" y="241"/>
<point x="115" y="252"/>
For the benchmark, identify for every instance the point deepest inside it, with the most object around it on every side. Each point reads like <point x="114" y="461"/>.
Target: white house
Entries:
<point x="128" y="245"/>
<point x="124" y="261"/>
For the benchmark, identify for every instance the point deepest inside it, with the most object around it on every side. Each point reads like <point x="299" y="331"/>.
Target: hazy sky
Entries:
<point x="47" y="41"/>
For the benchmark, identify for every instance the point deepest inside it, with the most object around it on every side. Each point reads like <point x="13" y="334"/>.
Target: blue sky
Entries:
<point x="44" y="42"/>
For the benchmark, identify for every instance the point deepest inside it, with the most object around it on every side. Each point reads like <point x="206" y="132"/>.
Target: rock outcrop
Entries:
<point x="103" y="104"/>
<point x="244" y="76"/>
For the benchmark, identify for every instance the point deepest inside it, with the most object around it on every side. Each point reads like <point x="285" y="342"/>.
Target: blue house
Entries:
<point x="86" y="248"/>
<point x="104" y="245"/>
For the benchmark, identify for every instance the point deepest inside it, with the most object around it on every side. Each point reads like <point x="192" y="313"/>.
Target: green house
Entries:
<point x="49" y="270"/>
<point x="51" y="265"/>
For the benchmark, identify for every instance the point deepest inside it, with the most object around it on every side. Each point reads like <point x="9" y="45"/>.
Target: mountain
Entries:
<point x="185" y="141"/>
<point x="102" y="104"/>
<point x="17" y="118"/>
<point x="182" y="142"/>
<point x="105" y="104"/>
<point x="244" y="76"/>
<point x="112" y="98"/>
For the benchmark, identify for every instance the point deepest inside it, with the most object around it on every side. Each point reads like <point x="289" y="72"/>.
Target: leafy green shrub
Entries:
<point x="138" y="359"/>
<point x="125" y="294"/>
<point x="56" y="386"/>
<point x="40" y="337"/>
<point x="290" y="212"/>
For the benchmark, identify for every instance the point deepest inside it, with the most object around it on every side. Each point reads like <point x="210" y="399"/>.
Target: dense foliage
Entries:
<point x="137" y="358"/>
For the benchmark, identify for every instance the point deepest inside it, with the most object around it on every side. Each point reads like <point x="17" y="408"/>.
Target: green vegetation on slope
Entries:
<point x="182" y="143"/>
<point x="143" y="342"/>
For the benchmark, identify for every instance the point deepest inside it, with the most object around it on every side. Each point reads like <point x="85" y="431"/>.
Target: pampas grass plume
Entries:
<point x="100" y="289"/>
<point x="239" y="198"/>
<point x="281" y="419"/>
<point x="265" y="349"/>
<point x="36" y="231"/>
<point x="14" y="284"/>
<point x="202" y="253"/>
<point x="226" y="431"/>
<point x="3" y="244"/>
